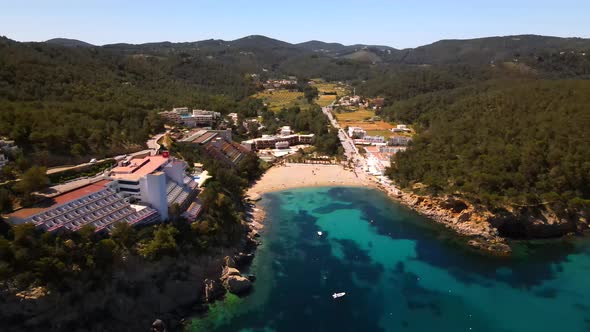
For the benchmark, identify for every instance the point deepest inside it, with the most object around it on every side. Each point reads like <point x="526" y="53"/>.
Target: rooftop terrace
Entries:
<point x="139" y="167"/>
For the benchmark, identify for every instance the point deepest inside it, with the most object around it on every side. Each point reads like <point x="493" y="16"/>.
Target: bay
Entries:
<point x="400" y="272"/>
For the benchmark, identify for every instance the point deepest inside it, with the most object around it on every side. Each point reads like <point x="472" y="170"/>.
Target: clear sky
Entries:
<point x="400" y="24"/>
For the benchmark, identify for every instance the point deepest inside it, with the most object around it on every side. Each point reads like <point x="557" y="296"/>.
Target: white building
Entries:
<point x="198" y="118"/>
<point x="155" y="180"/>
<point x="277" y="142"/>
<point x="401" y="128"/>
<point x="95" y="204"/>
<point x="203" y="117"/>
<point x="356" y="132"/>
<point x="282" y="145"/>
<point x="286" y="130"/>
<point x="399" y="140"/>
<point x="374" y="139"/>
<point x="233" y="117"/>
<point x="181" y="110"/>
<point x="350" y="101"/>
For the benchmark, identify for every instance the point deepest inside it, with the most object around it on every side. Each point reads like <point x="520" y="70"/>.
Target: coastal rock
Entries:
<point x="496" y="248"/>
<point x="489" y="230"/>
<point x="528" y="223"/>
<point x="229" y="272"/>
<point x="237" y="284"/>
<point x="250" y="244"/>
<point x="462" y="217"/>
<point x="234" y="282"/>
<point x="212" y="290"/>
<point x="453" y="204"/>
<point x="243" y="259"/>
<point x="229" y="262"/>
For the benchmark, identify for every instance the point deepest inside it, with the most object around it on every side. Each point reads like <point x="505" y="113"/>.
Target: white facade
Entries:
<point x="374" y="139"/>
<point x="155" y="180"/>
<point x="356" y="132"/>
<point x="286" y="130"/>
<point x="401" y="128"/>
<point x="180" y="110"/>
<point x="282" y="145"/>
<point x="175" y="170"/>
<point x="399" y="140"/>
<point x="153" y="192"/>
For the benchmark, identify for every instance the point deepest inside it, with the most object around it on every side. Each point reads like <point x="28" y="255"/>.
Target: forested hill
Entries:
<point x="91" y="101"/>
<point x="68" y="42"/>
<point x="254" y="52"/>
<point x="498" y="49"/>
<point x="548" y="57"/>
<point x="48" y="89"/>
<point x="508" y="145"/>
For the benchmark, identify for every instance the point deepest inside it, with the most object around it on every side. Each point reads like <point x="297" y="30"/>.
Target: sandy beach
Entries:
<point x="306" y="175"/>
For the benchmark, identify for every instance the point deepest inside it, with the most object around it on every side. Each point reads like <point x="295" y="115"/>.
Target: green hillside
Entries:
<point x="504" y="144"/>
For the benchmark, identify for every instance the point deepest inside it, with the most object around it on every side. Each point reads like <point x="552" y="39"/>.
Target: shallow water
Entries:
<point x="400" y="272"/>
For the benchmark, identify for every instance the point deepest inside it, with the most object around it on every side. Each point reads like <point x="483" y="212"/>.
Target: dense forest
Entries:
<point x="502" y="143"/>
<point x="88" y="101"/>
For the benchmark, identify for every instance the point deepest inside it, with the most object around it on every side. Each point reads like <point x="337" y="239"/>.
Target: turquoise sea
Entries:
<point x="400" y="272"/>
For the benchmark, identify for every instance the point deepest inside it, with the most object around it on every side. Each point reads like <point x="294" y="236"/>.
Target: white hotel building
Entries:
<point x="137" y="191"/>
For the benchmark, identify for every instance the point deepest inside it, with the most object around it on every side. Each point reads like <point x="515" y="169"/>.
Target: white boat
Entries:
<point x="337" y="295"/>
<point x="320" y="233"/>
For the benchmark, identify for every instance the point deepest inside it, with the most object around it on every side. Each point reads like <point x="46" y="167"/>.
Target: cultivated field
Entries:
<point x="384" y="133"/>
<point x="325" y="100"/>
<point x="276" y="100"/>
<point x="359" y="119"/>
<point x="324" y="87"/>
<point x="368" y="126"/>
<point x="359" y="115"/>
<point x="332" y="87"/>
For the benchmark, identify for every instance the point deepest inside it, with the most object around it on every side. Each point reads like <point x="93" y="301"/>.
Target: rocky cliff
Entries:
<point x="488" y="230"/>
<point x="461" y="216"/>
<point x="538" y="222"/>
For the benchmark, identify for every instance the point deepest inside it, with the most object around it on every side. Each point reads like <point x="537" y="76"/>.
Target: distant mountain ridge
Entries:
<point x="68" y="42"/>
<point x="337" y="48"/>
<point x="492" y="49"/>
<point x="451" y="51"/>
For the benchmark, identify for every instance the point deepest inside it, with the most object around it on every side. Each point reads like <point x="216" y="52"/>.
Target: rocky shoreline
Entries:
<point x="490" y="232"/>
<point x="462" y="217"/>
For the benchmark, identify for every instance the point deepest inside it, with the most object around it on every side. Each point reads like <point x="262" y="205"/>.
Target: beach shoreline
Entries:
<point x="291" y="176"/>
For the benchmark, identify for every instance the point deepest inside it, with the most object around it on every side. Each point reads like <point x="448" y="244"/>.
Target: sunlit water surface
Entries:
<point x="400" y="272"/>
